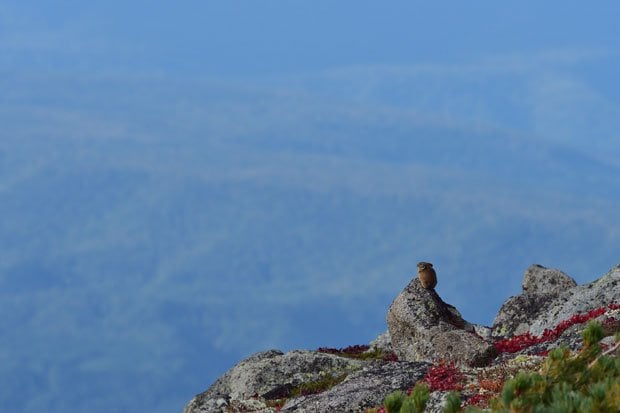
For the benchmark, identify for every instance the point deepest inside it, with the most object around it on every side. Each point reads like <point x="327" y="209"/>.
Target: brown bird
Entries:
<point x="427" y="275"/>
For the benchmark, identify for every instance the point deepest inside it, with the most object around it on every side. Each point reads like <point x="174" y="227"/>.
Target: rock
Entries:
<point x="200" y="405"/>
<point x="383" y="342"/>
<point x="550" y="296"/>
<point x="424" y="328"/>
<point x="436" y="402"/>
<point x="363" y="389"/>
<point x="579" y="299"/>
<point x="545" y="281"/>
<point x="483" y="331"/>
<point x="270" y="373"/>
<point x="249" y="405"/>
<point x="540" y="287"/>
<point x="516" y="313"/>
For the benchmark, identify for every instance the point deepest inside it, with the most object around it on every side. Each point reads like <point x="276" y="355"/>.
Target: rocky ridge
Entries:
<point x="427" y="339"/>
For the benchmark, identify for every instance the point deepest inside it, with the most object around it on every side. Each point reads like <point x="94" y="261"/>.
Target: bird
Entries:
<point x="427" y="275"/>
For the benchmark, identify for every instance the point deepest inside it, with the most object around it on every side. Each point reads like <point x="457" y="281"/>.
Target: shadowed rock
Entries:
<point x="541" y="286"/>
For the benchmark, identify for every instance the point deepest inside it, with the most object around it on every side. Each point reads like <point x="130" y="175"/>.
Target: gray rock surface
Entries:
<point x="579" y="299"/>
<point x="424" y="328"/>
<point x="540" y="280"/>
<point x="383" y="342"/>
<point x="436" y="402"/>
<point x="363" y="389"/>
<point x="270" y="372"/>
<point x="540" y="287"/>
<point x="550" y="296"/>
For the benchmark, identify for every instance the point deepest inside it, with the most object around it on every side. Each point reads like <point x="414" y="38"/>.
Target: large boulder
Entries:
<point x="541" y="286"/>
<point x="424" y="328"/>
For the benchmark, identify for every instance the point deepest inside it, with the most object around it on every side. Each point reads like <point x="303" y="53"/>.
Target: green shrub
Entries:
<point x="453" y="403"/>
<point x="399" y="402"/>
<point x="586" y="382"/>
<point x="419" y="397"/>
<point x="394" y="401"/>
<point x="318" y="386"/>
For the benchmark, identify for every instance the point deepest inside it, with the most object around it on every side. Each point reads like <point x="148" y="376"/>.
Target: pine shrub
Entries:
<point x="585" y="382"/>
<point x="394" y="401"/>
<point x="399" y="402"/>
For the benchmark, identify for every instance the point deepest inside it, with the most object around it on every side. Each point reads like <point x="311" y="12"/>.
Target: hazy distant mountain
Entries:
<point x="144" y="221"/>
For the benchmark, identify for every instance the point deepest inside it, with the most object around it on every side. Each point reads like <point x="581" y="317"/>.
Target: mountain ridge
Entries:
<point x="427" y="342"/>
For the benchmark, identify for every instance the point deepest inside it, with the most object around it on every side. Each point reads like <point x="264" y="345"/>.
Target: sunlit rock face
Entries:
<point x="424" y="328"/>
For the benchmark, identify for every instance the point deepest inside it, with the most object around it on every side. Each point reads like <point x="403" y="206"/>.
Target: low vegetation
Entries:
<point x="444" y="376"/>
<point x="523" y="341"/>
<point x="585" y="381"/>
<point x="304" y="389"/>
<point x="562" y="380"/>
<point x="413" y="402"/>
<point x="360" y="352"/>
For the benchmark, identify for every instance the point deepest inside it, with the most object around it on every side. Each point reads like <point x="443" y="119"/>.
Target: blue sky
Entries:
<point x="276" y="37"/>
<point x="185" y="183"/>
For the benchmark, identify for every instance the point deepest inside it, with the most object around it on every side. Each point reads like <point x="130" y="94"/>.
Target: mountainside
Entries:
<point x="433" y="347"/>
<point x="146" y="222"/>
